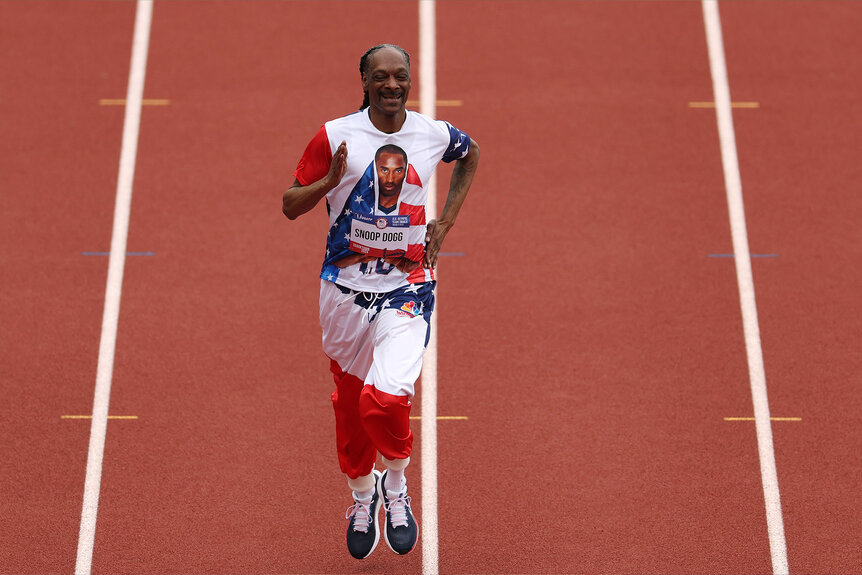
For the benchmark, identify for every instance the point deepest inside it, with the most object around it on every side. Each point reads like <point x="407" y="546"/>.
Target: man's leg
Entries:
<point x="356" y="450"/>
<point x="384" y="404"/>
<point x="347" y="342"/>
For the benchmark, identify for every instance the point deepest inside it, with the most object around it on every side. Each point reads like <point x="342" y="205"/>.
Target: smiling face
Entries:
<point x="391" y="171"/>
<point x="387" y="82"/>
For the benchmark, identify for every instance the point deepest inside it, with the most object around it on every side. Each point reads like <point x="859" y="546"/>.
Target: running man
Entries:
<point x="377" y="279"/>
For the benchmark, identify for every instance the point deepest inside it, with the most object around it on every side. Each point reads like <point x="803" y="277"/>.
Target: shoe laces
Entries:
<point x="361" y="514"/>
<point x="397" y="508"/>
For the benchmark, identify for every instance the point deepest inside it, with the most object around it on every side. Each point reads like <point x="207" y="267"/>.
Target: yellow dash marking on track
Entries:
<point x="145" y="102"/>
<point x="771" y="419"/>
<point x="441" y="103"/>
<point x="447" y="417"/>
<point x="732" y="104"/>
<point x="91" y="417"/>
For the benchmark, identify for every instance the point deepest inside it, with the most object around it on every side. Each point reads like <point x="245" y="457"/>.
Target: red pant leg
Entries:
<point x="386" y="419"/>
<point x="356" y="451"/>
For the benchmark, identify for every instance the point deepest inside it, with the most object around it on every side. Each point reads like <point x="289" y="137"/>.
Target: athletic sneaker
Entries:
<point x="401" y="531"/>
<point x="362" y="530"/>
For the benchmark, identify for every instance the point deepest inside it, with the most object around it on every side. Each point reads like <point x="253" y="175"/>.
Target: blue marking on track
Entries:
<point x="109" y="253"/>
<point x="750" y="255"/>
<point x="453" y="254"/>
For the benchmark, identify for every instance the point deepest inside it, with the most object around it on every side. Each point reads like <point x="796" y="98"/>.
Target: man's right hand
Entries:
<point x="299" y="199"/>
<point x="337" y="167"/>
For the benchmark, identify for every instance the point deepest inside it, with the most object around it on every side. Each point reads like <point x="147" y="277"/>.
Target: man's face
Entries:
<point x="391" y="170"/>
<point x="387" y="81"/>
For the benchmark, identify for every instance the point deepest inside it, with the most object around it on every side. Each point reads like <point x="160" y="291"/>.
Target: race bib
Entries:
<point x="379" y="236"/>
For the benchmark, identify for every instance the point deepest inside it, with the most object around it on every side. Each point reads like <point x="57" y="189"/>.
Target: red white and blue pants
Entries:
<point x="375" y="343"/>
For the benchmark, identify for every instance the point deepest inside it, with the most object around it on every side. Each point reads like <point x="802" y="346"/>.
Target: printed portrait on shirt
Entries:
<point x="390" y="162"/>
<point x="383" y="217"/>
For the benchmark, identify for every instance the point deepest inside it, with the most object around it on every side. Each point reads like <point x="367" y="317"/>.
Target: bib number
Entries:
<point x="379" y="236"/>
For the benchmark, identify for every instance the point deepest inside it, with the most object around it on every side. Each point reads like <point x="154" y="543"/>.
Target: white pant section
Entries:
<point x="383" y="349"/>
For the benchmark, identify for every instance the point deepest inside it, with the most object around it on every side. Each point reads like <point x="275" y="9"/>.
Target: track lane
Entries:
<point x="231" y="466"/>
<point x="598" y="396"/>
<point x="799" y="159"/>
<point x="58" y="170"/>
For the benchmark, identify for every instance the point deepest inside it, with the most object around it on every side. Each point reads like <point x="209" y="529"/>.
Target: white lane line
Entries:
<point x="745" y="280"/>
<point x="116" y="264"/>
<point x="427" y="105"/>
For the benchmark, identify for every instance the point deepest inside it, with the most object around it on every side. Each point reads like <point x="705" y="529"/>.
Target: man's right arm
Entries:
<point x="299" y="199"/>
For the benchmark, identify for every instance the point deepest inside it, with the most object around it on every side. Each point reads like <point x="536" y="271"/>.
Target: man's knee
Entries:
<point x="386" y="419"/>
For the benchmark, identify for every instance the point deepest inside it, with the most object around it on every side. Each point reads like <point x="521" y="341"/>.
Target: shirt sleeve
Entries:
<point x="315" y="161"/>
<point x="459" y="144"/>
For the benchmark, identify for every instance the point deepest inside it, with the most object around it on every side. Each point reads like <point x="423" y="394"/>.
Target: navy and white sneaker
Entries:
<point x="363" y="533"/>
<point x="401" y="531"/>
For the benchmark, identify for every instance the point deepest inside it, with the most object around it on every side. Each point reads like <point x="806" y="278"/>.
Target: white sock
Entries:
<point x="361" y="484"/>
<point x="363" y="495"/>
<point x="395" y="480"/>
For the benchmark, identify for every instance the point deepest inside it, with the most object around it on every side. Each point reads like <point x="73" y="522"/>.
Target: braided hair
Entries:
<point x="365" y="64"/>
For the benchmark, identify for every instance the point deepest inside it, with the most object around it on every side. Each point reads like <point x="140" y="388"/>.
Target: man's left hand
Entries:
<point x="434" y="234"/>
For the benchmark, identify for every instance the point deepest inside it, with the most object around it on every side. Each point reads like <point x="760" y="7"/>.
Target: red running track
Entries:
<point x="58" y="169"/>
<point x="586" y="333"/>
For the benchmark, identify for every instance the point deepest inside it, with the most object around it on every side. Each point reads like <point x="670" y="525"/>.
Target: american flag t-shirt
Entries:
<point x="425" y="142"/>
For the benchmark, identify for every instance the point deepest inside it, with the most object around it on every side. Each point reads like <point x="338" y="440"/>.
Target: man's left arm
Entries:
<point x="459" y="185"/>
